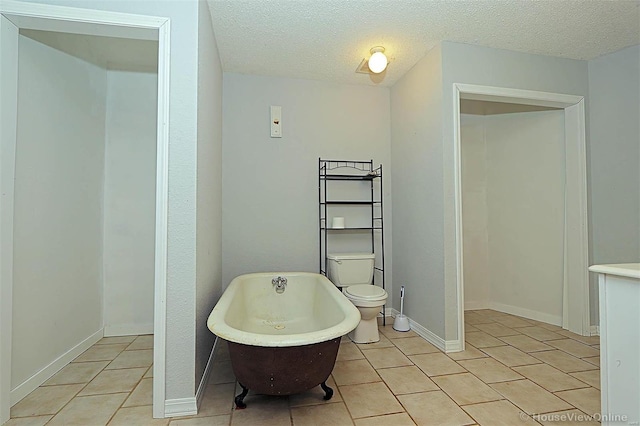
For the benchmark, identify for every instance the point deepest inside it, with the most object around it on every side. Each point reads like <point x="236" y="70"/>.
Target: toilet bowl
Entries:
<point x="369" y="299"/>
<point x="353" y="273"/>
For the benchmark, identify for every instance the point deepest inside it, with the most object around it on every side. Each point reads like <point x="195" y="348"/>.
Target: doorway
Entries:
<point x="575" y="283"/>
<point x="23" y="17"/>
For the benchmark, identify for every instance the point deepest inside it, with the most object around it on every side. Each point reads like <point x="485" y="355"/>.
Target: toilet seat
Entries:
<point x="365" y="293"/>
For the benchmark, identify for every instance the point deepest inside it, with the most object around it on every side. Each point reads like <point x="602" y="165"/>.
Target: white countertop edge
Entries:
<point x="629" y="270"/>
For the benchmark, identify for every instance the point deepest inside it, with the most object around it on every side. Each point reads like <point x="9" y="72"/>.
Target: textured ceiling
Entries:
<point x="327" y="39"/>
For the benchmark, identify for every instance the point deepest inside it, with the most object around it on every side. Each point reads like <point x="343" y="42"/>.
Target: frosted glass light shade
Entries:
<point x="377" y="62"/>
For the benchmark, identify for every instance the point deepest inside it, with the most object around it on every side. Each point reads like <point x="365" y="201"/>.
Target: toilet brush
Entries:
<point x="401" y="322"/>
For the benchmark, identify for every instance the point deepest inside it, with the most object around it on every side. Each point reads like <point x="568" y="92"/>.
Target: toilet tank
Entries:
<point x="345" y="269"/>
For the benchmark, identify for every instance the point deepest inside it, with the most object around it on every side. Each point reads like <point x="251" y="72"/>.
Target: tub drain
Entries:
<point x="278" y="327"/>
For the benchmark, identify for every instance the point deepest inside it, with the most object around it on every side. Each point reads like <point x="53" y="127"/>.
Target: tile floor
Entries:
<point x="511" y="366"/>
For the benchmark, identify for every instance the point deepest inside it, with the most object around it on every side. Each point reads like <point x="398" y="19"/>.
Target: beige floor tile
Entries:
<point x="149" y="373"/>
<point x="469" y="353"/>
<point x="262" y="410"/>
<point x="207" y="421"/>
<point x="95" y="410"/>
<point x="563" y="361"/>
<point x="45" y="400"/>
<point x="514" y="322"/>
<point x="132" y="359"/>
<point x="526" y="343"/>
<point x="315" y="396"/>
<point x="489" y="370"/>
<point x="497" y="330"/>
<point x="595" y="360"/>
<point x="574" y="348"/>
<point x="530" y="397"/>
<point x="498" y="413"/>
<point x="549" y="378"/>
<point x="469" y="327"/>
<point x="592" y="377"/>
<point x="480" y="339"/>
<point x="222" y="372"/>
<point x="386" y="357"/>
<point x="587" y="400"/>
<point x="354" y="372"/>
<point x="77" y="372"/>
<point x="475" y="319"/>
<point x="141" y="395"/>
<point x="384" y="342"/>
<point x="101" y="353"/>
<point x="551" y="327"/>
<point x="217" y="400"/>
<point x="408" y="379"/>
<point x="400" y="419"/>
<point x="540" y="333"/>
<point x="116" y="340"/>
<point x="566" y="418"/>
<point x="112" y="381"/>
<point x="391" y="333"/>
<point x="588" y="340"/>
<point x="434" y="408"/>
<point x="141" y="342"/>
<point x="436" y="364"/>
<point x="510" y="356"/>
<point x="328" y="414"/>
<point x="370" y="399"/>
<point x="414" y="346"/>
<point x="28" y="421"/>
<point x="466" y="388"/>
<point x="138" y="416"/>
<point x="349" y="351"/>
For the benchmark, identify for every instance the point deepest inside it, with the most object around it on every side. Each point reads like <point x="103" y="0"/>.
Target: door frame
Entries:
<point x="15" y="15"/>
<point x="575" y="301"/>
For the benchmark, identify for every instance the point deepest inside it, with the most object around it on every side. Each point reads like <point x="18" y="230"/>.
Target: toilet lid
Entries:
<point x="366" y="292"/>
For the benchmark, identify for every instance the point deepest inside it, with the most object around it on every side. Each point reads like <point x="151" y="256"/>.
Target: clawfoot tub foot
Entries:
<point x="239" y="398"/>
<point x="328" y="392"/>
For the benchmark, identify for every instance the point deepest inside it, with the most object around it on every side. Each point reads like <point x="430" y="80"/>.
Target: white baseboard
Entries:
<point x="515" y="310"/>
<point x="594" y="330"/>
<point x="180" y="407"/>
<point x="33" y="382"/>
<point x="429" y="336"/>
<point x="127" y="329"/>
<point x="207" y="372"/>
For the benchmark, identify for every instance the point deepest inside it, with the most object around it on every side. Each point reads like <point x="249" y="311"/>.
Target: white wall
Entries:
<point x="614" y="152"/>
<point x="58" y="206"/>
<point x="469" y="64"/>
<point x="181" y="257"/>
<point x="129" y="202"/>
<point x="523" y="171"/>
<point x="270" y="185"/>
<point x="417" y="169"/>
<point x="209" y="189"/>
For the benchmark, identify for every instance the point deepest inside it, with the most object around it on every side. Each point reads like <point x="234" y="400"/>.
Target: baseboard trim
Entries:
<point x="205" y="375"/>
<point x="127" y="329"/>
<point x="431" y="337"/>
<point x="516" y="310"/>
<point x="180" y="407"/>
<point x="33" y="382"/>
<point x="594" y="330"/>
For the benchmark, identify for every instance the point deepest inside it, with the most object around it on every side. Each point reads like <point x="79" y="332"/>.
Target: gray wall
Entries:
<point x="416" y="152"/>
<point x="270" y="185"/>
<point x="209" y="187"/>
<point x="614" y="159"/>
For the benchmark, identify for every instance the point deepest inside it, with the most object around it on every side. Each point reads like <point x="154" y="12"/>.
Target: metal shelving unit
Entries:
<point x="352" y="171"/>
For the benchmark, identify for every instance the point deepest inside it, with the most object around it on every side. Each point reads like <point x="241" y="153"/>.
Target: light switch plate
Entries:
<point x="276" y="121"/>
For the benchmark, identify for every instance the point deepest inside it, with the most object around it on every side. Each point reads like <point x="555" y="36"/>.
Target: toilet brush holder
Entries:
<point x="401" y="323"/>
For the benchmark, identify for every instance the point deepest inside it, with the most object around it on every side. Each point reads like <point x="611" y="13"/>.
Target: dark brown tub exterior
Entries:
<point x="283" y="370"/>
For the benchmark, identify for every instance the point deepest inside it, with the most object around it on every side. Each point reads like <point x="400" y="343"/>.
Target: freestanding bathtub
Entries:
<point x="283" y="330"/>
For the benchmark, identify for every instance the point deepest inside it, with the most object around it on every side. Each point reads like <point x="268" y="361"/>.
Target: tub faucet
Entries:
<point x="279" y="283"/>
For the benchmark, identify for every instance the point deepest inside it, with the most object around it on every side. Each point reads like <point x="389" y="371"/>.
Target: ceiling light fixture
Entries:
<point x="378" y="61"/>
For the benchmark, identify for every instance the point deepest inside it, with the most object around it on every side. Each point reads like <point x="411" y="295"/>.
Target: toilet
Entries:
<point x="353" y="273"/>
